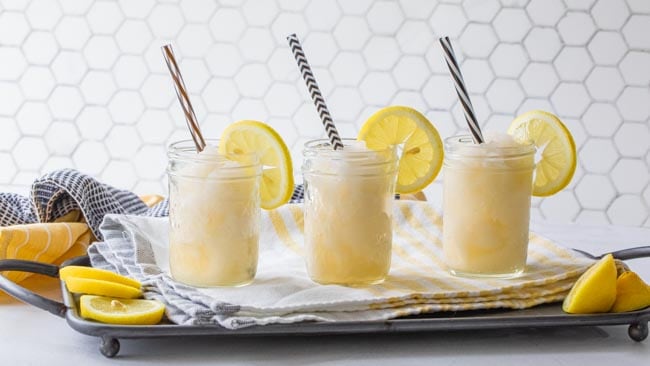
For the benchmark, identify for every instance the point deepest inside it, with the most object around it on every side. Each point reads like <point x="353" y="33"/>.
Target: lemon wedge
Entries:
<point x="420" y="149"/>
<point x="277" y="176"/>
<point x="96" y="274"/>
<point x="555" y="147"/>
<point x="595" y="290"/>
<point x="91" y="286"/>
<point x="632" y="293"/>
<point x="121" y="311"/>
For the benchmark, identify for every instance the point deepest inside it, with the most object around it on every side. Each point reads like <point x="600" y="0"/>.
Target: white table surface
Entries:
<point x="30" y="336"/>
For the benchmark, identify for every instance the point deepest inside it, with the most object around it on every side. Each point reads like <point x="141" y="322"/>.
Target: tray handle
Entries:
<point x="632" y="253"/>
<point x="26" y="295"/>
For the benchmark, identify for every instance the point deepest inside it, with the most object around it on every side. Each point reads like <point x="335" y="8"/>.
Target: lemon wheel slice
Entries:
<point x="91" y="286"/>
<point x="96" y="274"/>
<point x="420" y="148"/>
<point x="121" y="311"/>
<point x="595" y="290"/>
<point x="556" y="150"/>
<point x="277" y="176"/>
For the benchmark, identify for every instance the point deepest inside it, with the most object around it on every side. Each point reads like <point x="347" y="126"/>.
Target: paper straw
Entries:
<point x="461" y="90"/>
<point x="183" y="97"/>
<point x="314" y="91"/>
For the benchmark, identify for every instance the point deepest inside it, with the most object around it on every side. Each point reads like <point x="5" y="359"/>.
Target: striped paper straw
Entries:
<point x="183" y="97"/>
<point x="461" y="90"/>
<point x="315" y="92"/>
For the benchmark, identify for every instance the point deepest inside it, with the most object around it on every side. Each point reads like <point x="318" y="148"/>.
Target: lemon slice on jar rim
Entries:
<point x="556" y="158"/>
<point x="248" y="136"/>
<point x="420" y="149"/>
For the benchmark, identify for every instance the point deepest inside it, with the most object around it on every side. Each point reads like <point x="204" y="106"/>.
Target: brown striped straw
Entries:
<point x="183" y="97"/>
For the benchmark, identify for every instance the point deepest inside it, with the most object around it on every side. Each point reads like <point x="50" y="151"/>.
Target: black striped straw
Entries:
<point x="183" y="97"/>
<point x="461" y="90"/>
<point x="314" y="91"/>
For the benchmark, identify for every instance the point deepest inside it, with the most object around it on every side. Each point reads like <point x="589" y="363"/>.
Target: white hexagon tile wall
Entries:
<point x="83" y="83"/>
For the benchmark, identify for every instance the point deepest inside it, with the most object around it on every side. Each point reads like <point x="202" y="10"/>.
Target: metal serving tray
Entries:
<point x="549" y="315"/>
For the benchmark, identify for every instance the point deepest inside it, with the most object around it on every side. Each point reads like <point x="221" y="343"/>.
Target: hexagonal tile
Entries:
<point x="320" y="48"/>
<point x="220" y="95"/>
<point x="595" y="192"/>
<point x="253" y="80"/>
<point x="412" y="99"/>
<point x="602" y="120"/>
<point x="194" y="40"/>
<point x="195" y="74"/>
<point x="381" y="53"/>
<point x="76" y="7"/>
<point x="37" y="83"/>
<point x="633" y="139"/>
<point x="282" y="100"/>
<point x="227" y="25"/>
<point x="155" y="126"/>
<point x="24" y="178"/>
<point x="411" y="72"/>
<point x="256" y="44"/>
<point x="282" y="66"/>
<point x="598" y="155"/>
<point x="134" y="36"/>
<point x="530" y="104"/>
<point x="126" y="106"/>
<point x="30" y="153"/>
<point x="545" y="12"/>
<point x="259" y="12"/>
<point x="11" y="98"/>
<point x="284" y="128"/>
<point x="43" y="14"/>
<point x="122" y="142"/>
<point x="633" y="104"/>
<point x="634" y="68"/>
<point x="307" y="122"/>
<point x="165" y="21"/>
<point x="65" y="102"/>
<point x="609" y="14"/>
<point x="635" y="30"/>
<point x="197" y="10"/>
<point x="570" y="99"/>
<point x="639" y="6"/>
<point x="576" y="28"/>
<point x="322" y="15"/>
<point x="646" y="195"/>
<point x="630" y="176"/>
<point x="101" y="52"/>
<point x="120" y="174"/>
<point x="439" y="92"/>
<point x="592" y="217"/>
<point x="130" y="72"/>
<point x="607" y="48"/>
<point x="385" y="18"/>
<point x="561" y="207"/>
<point x="98" y="87"/>
<point x="542" y="44"/>
<point x="8" y="168"/>
<point x="347" y="68"/>
<point x="13" y="63"/>
<point x="62" y="138"/>
<point x="104" y="17"/>
<point x="13" y="28"/>
<point x="287" y="23"/>
<point x="137" y="9"/>
<point x="351" y="33"/>
<point x="9" y="133"/>
<point x="573" y="64"/>
<point x="414" y="37"/>
<point x="508" y="60"/>
<point x="477" y="75"/>
<point x="248" y="108"/>
<point x="33" y="118"/>
<point x="91" y="157"/>
<point x="511" y="24"/>
<point x="448" y="20"/>
<point x="413" y="9"/>
<point x="539" y="79"/>
<point x="482" y="110"/>
<point x="478" y="40"/>
<point x="627" y="210"/>
<point x="156" y="186"/>
<point x="481" y="11"/>
<point x="94" y="123"/>
<point x="604" y="83"/>
<point x="444" y="122"/>
<point x="72" y="32"/>
<point x="157" y="91"/>
<point x="69" y="67"/>
<point x="345" y="104"/>
<point x="377" y="88"/>
<point x="40" y="48"/>
<point x="505" y="96"/>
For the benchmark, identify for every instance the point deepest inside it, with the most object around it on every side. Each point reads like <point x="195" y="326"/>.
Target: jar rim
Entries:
<point x="185" y="151"/>
<point x="463" y="145"/>
<point x="324" y="146"/>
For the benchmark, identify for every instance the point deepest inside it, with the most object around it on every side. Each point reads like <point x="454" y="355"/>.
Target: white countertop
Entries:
<point x="32" y="336"/>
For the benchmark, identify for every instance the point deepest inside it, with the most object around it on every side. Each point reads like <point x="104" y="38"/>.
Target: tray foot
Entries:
<point x="109" y="347"/>
<point x="638" y="331"/>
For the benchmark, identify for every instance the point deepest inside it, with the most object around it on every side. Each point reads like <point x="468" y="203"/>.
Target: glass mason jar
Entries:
<point x="214" y="215"/>
<point x="349" y="197"/>
<point x="486" y="193"/>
